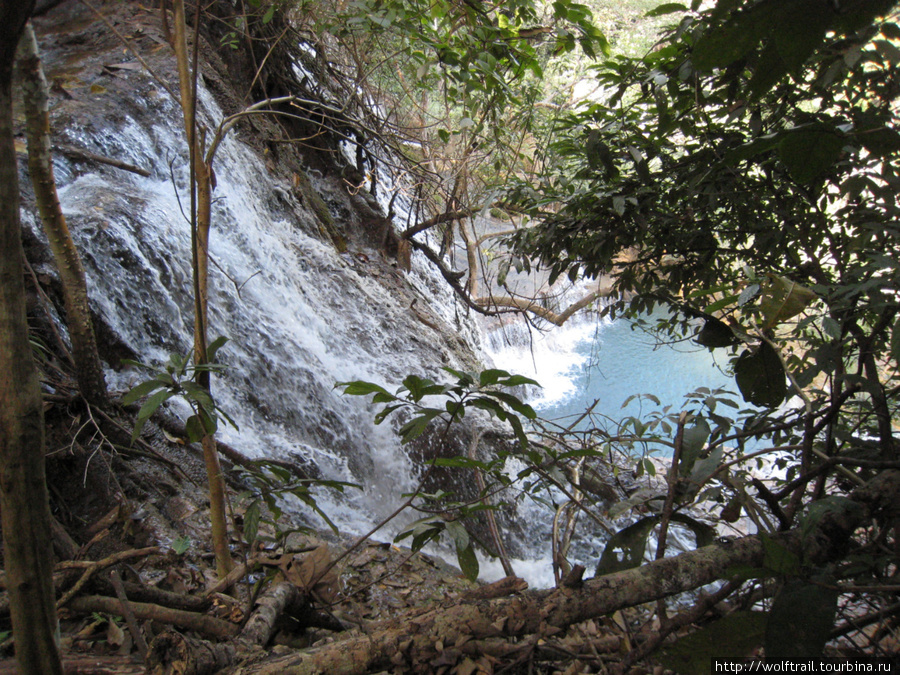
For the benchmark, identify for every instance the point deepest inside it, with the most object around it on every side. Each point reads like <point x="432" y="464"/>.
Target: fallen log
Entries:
<point x="416" y="640"/>
<point x="261" y="626"/>
<point x="84" y="664"/>
<point x="202" y="623"/>
<point x="172" y="653"/>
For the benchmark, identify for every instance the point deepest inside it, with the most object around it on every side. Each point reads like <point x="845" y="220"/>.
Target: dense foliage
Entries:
<point x="742" y="174"/>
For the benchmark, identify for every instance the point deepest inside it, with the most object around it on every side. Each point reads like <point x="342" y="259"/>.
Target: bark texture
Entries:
<point x="28" y="553"/>
<point x="411" y="641"/>
<point x="35" y="98"/>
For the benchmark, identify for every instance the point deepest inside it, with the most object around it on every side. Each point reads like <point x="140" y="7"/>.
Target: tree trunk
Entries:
<point x="28" y="553"/>
<point x="408" y="641"/>
<point x="35" y="96"/>
<point x="201" y="217"/>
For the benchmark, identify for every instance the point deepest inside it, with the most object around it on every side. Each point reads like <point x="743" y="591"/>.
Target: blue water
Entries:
<point x="613" y="362"/>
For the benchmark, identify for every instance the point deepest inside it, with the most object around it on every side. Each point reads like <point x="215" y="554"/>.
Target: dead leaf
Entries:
<point x="447" y="657"/>
<point x="173" y="439"/>
<point x="311" y="573"/>
<point x="115" y="636"/>
<point x="133" y="65"/>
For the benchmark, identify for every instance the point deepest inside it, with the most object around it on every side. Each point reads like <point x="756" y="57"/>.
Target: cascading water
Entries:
<point x="300" y="316"/>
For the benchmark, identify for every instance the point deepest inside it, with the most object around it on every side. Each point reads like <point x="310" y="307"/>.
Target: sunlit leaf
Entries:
<point x="783" y="299"/>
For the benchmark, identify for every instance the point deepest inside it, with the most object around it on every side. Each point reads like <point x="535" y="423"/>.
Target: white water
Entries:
<point x="305" y="318"/>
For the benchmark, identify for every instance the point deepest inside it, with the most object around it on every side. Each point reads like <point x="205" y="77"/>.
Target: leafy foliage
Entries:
<point x="743" y="175"/>
<point x="479" y="391"/>
<point x="179" y="378"/>
<point x="469" y="391"/>
<point x="270" y="484"/>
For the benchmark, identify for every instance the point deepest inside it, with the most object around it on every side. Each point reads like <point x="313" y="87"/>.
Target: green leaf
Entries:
<point x="213" y="348"/>
<point x="152" y="404"/>
<point x="195" y="392"/>
<point x="468" y="562"/>
<point x="458" y="533"/>
<point x="760" y="376"/>
<point x="181" y="545"/>
<point x="513" y="402"/>
<point x="417" y="425"/>
<point x="361" y="388"/>
<point x="693" y="441"/>
<point x="721" y="303"/>
<point x="800" y="620"/>
<point x="715" y="334"/>
<point x="777" y="557"/>
<point x="194" y="429"/>
<point x="251" y="522"/>
<point x="464" y="379"/>
<point x="666" y="8"/>
<point x="140" y="390"/>
<point x="625" y="549"/>
<point x="209" y="420"/>
<point x="722" y="47"/>
<point x="519" y="431"/>
<point x="704" y="468"/>
<point x="799" y="31"/>
<point x="737" y="635"/>
<point x="895" y="343"/>
<point x="419" y="387"/>
<point x="704" y="535"/>
<point x="809" y="152"/>
<point x="490" y="376"/>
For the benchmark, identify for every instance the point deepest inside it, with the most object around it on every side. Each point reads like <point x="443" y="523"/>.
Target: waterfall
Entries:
<point x="300" y="316"/>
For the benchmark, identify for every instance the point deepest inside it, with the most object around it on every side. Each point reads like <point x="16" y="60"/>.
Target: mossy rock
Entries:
<point x="308" y="196"/>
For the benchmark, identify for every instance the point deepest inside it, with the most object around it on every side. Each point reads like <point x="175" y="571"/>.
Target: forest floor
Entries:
<point x="135" y="568"/>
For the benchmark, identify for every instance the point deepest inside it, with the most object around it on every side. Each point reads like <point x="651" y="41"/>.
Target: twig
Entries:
<point x="149" y="449"/>
<point x="201" y="623"/>
<point x="133" y="626"/>
<point x="46" y="304"/>
<point x="230" y="579"/>
<point x="92" y="157"/>
<point x="90" y="567"/>
<point x="683" y="619"/>
<point x="672" y="480"/>
<point x="489" y="514"/>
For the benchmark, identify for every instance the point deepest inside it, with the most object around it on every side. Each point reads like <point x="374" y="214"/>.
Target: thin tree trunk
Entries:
<point x="35" y="96"/>
<point x="201" y="212"/>
<point x="28" y="553"/>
